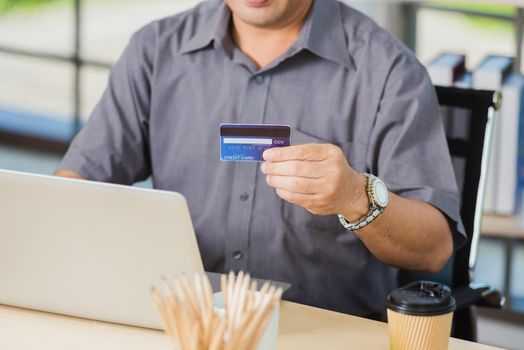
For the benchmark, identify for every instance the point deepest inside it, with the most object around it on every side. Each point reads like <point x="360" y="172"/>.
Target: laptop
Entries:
<point x="90" y="250"/>
<point x="93" y="250"/>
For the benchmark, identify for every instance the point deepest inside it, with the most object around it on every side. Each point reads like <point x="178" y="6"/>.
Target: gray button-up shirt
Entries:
<point x="345" y="81"/>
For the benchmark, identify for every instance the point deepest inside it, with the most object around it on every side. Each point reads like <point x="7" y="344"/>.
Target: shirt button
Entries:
<point x="259" y="79"/>
<point x="244" y="197"/>
<point x="238" y="255"/>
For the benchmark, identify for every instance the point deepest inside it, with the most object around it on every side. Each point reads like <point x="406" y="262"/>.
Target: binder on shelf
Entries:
<point x="492" y="72"/>
<point x="465" y="81"/>
<point x="511" y="148"/>
<point x="447" y="68"/>
<point x="490" y="75"/>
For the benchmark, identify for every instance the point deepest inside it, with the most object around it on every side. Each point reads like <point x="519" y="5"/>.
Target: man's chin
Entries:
<point x="259" y="17"/>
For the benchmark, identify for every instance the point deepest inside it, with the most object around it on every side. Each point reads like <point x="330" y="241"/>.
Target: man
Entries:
<point x="357" y="101"/>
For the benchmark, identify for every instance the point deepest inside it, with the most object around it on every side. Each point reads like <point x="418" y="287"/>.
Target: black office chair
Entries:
<point x="468" y="118"/>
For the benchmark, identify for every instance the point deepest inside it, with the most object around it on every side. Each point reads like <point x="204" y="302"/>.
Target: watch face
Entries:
<point x="381" y="193"/>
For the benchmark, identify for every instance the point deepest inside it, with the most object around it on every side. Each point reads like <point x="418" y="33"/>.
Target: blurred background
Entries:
<point x="55" y="57"/>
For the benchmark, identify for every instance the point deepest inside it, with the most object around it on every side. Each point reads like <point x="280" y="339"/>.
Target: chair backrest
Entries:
<point x="468" y="118"/>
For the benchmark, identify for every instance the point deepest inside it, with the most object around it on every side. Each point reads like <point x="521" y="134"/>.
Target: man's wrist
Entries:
<point x="358" y="206"/>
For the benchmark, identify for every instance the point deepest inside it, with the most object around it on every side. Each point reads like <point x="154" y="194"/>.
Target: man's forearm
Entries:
<point x="409" y="234"/>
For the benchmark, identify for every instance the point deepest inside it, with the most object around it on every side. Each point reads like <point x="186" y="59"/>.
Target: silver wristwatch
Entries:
<point x="378" y="196"/>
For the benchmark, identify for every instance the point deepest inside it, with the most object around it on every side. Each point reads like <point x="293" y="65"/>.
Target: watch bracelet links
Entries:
<point x="368" y="218"/>
<point x="371" y="215"/>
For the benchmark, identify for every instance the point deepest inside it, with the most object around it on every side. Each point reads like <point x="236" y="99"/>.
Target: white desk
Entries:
<point x="501" y="227"/>
<point x="301" y="327"/>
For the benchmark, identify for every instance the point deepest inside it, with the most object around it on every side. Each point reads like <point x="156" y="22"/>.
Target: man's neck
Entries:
<point x="264" y="45"/>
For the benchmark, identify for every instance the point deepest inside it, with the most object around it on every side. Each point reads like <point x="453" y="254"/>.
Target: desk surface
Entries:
<point x="301" y="327"/>
<point x="501" y="226"/>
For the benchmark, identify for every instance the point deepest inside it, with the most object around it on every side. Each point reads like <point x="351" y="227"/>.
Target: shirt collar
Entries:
<point x="215" y="31"/>
<point x="322" y="34"/>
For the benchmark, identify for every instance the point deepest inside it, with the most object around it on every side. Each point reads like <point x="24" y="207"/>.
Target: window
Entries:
<point x="55" y="57"/>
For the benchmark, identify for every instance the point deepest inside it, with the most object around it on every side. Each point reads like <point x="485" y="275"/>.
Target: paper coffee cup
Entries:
<point x="420" y="316"/>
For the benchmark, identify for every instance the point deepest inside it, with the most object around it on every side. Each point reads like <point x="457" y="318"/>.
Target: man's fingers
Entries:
<point x="298" y="168"/>
<point x="293" y="184"/>
<point x="303" y="200"/>
<point x="306" y="152"/>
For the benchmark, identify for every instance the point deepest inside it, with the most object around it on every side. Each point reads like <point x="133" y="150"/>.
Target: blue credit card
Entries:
<point x="247" y="142"/>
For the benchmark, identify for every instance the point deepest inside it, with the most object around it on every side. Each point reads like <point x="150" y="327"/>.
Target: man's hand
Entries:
<point x="409" y="234"/>
<point x="318" y="178"/>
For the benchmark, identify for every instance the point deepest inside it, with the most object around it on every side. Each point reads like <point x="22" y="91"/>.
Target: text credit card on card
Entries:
<point x="247" y="142"/>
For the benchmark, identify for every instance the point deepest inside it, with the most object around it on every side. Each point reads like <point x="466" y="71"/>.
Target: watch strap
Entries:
<point x="372" y="214"/>
<point x="363" y="221"/>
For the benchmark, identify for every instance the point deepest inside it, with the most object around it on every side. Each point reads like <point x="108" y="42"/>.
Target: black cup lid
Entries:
<point x="422" y="298"/>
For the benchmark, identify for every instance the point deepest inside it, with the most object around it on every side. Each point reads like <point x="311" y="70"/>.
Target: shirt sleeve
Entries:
<point x="408" y="147"/>
<point x="113" y="145"/>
